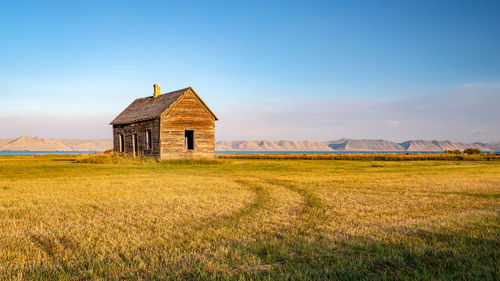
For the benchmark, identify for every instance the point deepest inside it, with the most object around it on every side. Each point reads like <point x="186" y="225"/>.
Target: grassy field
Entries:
<point x="249" y="219"/>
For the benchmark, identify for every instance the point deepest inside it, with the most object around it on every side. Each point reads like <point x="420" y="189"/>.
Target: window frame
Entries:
<point x="186" y="140"/>
<point x="135" y="144"/>
<point x="149" y="140"/>
<point x="121" y="143"/>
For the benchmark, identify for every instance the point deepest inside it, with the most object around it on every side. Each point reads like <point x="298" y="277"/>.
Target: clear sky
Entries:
<point x="316" y="70"/>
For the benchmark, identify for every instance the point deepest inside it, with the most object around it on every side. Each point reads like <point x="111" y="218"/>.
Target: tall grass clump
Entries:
<point x="190" y="162"/>
<point x="120" y="158"/>
<point x="113" y="158"/>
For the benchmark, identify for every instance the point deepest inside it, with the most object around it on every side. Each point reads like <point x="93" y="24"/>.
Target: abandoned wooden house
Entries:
<point x="166" y="126"/>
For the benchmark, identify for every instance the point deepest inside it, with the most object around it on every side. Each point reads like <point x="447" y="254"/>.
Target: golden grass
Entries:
<point x="367" y="156"/>
<point x="100" y="217"/>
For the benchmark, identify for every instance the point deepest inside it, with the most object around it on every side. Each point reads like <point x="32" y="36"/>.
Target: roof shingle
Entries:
<point x="147" y="108"/>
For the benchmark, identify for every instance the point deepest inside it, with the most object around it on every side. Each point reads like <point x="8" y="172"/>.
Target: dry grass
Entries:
<point x="62" y="217"/>
<point x="367" y="156"/>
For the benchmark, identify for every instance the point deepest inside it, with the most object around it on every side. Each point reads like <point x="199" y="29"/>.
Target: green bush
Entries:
<point x="472" y="151"/>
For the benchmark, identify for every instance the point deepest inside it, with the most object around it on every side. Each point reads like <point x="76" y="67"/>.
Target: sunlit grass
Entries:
<point x="92" y="217"/>
<point x="367" y="156"/>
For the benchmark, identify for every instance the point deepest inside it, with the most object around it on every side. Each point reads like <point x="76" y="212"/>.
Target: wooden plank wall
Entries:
<point x="138" y="128"/>
<point x="188" y="114"/>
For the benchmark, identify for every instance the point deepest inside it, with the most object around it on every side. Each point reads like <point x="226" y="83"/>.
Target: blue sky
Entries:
<point x="314" y="70"/>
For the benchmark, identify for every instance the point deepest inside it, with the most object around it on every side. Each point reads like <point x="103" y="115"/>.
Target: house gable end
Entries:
<point x="190" y="91"/>
<point x="187" y="119"/>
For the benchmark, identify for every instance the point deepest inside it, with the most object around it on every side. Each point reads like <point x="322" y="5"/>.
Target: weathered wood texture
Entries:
<point x="174" y="113"/>
<point x="140" y="129"/>
<point x="189" y="113"/>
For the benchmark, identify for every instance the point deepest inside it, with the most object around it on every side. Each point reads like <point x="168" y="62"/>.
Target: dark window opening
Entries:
<point x="134" y="144"/>
<point x="148" y="140"/>
<point x="121" y="143"/>
<point x="189" y="139"/>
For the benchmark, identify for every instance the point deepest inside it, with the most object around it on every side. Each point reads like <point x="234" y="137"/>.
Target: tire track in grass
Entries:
<point x="262" y="198"/>
<point x="298" y="243"/>
<point x="237" y="252"/>
<point x="305" y="253"/>
<point x="218" y="255"/>
<point x="203" y="239"/>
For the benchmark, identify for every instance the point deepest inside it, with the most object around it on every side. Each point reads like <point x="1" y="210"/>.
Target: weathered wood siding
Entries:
<point x="187" y="114"/>
<point x="140" y="129"/>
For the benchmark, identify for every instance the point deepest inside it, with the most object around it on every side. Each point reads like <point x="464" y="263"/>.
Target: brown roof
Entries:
<point x="149" y="108"/>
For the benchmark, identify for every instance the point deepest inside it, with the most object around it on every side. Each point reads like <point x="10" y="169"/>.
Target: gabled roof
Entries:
<point x="149" y="108"/>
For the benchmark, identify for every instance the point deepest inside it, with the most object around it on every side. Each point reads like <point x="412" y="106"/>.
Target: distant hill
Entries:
<point x="353" y="145"/>
<point x="88" y="145"/>
<point x="493" y="146"/>
<point x="422" y="145"/>
<point x="282" y="145"/>
<point x="364" y="145"/>
<point x="39" y="144"/>
<point x="4" y="141"/>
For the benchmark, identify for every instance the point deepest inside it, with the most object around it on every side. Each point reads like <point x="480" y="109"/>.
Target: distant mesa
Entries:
<point x="25" y="143"/>
<point x="353" y="145"/>
<point x="420" y="145"/>
<point x="35" y="144"/>
<point x="364" y="145"/>
<point x="435" y="145"/>
<point x="261" y="145"/>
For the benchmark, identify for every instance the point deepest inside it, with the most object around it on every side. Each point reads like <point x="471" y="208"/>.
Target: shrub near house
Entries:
<point x="472" y="151"/>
